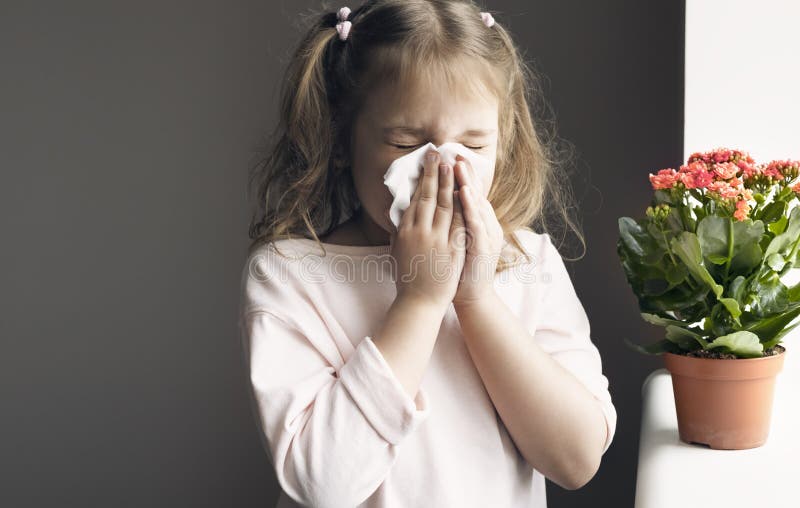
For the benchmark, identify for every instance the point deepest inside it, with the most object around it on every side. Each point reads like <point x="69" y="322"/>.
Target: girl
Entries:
<point x="461" y="372"/>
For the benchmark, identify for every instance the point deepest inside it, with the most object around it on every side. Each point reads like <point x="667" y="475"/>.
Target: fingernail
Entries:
<point x="444" y="168"/>
<point x="432" y="156"/>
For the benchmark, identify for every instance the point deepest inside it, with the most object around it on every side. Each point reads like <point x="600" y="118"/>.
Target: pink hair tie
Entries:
<point x="487" y="18"/>
<point x="343" y="26"/>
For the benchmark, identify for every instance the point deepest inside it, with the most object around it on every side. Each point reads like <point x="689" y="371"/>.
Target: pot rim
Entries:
<point x="730" y="359"/>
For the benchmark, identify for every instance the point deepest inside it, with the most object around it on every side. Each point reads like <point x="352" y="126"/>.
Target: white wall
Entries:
<point x="743" y="82"/>
<point x="743" y="77"/>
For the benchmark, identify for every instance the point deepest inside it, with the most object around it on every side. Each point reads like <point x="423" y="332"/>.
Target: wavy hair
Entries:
<point x="303" y="186"/>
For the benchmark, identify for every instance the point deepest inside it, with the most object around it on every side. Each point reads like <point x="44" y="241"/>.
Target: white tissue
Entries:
<point x="403" y="174"/>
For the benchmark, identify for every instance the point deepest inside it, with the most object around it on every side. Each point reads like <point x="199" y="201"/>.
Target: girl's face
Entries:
<point x="387" y="128"/>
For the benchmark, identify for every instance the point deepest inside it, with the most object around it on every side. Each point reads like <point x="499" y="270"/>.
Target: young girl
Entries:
<point x="461" y="372"/>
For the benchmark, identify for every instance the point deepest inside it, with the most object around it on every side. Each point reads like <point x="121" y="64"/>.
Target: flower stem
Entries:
<point x="730" y="249"/>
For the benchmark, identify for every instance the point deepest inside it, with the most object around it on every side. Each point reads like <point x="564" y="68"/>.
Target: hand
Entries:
<point x="428" y="255"/>
<point x="484" y="240"/>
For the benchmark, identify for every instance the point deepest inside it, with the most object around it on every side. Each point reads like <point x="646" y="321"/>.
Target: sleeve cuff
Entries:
<point x="379" y="395"/>
<point x="610" y="415"/>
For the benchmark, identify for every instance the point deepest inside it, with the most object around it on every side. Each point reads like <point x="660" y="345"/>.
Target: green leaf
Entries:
<point x="713" y="235"/>
<point x="661" y="196"/>
<point x="662" y="321"/>
<point x="677" y="274"/>
<point x="638" y="242"/>
<point x="686" y="304"/>
<point x="662" y="346"/>
<point x="783" y="242"/>
<point x="743" y="344"/>
<point x="769" y="328"/>
<point x="770" y="295"/>
<point x="717" y="259"/>
<point x="747" y="257"/>
<point x="722" y="239"/>
<point x="784" y="193"/>
<point x="776" y="261"/>
<point x="779" y="226"/>
<point x="678" y="220"/>
<point x="687" y="247"/>
<point x="699" y="211"/>
<point x="773" y="211"/>
<point x="794" y="293"/>
<point x="684" y="338"/>
<point x="778" y="336"/>
<point x="736" y="289"/>
<point x="733" y="307"/>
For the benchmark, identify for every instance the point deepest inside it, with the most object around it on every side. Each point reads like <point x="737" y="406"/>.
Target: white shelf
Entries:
<point x="672" y="473"/>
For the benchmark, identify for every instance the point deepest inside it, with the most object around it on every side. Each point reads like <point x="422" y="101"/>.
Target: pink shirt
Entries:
<point x="340" y="429"/>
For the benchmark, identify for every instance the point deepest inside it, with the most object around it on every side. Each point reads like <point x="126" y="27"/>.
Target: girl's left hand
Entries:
<point x="484" y="240"/>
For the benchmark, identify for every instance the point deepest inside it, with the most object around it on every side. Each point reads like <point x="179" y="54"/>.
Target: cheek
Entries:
<point x="368" y="169"/>
<point x="487" y="181"/>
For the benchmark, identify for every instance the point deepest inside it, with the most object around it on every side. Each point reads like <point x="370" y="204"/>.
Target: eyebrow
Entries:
<point x="415" y="131"/>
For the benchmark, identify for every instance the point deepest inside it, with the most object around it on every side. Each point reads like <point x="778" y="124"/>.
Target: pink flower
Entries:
<point x="696" y="157"/>
<point x="742" y="208"/>
<point x="749" y="169"/>
<point x="723" y="189"/>
<point x="796" y="187"/>
<point x="722" y="155"/>
<point x="725" y="170"/>
<point x="694" y="175"/>
<point x="779" y="170"/>
<point x="703" y="179"/>
<point x="772" y="170"/>
<point x="665" y="179"/>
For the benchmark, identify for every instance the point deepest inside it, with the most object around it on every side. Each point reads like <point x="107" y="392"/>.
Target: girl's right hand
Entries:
<point x="429" y="245"/>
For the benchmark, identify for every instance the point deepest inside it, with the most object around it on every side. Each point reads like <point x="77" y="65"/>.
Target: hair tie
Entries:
<point x="343" y="26"/>
<point x="487" y="18"/>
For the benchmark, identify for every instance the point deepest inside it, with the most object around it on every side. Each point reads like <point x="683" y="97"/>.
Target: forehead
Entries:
<point x="460" y="91"/>
<point x="416" y="104"/>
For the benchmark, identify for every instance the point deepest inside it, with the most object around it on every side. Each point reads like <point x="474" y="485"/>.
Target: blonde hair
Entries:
<point x="306" y="169"/>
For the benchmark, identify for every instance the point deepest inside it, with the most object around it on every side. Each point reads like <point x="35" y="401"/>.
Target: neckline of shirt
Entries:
<point x="351" y="250"/>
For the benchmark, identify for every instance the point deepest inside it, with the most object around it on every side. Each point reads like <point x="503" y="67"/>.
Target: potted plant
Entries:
<point x="706" y="263"/>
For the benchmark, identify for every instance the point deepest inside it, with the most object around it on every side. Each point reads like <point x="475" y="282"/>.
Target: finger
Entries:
<point x="462" y="175"/>
<point x="458" y="229"/>
<point x="426" y="202"/>
<point x="444" y="206"/>
<point x="486" y="211"/>
<point x="469" y="176"/>
<point x="472" y="215"/>
<point x="494" y="230"/>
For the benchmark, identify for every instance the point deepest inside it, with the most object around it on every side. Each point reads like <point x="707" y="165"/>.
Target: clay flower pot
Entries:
<point x="724" y="403"/>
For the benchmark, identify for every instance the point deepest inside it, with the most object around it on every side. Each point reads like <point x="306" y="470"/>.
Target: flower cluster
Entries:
<point x="706" y="261"/>
<point x="728" y="176"/>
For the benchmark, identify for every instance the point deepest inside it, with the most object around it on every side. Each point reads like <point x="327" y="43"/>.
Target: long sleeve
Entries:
<point x="562" y="330"/>
<point x="332" y="436"/>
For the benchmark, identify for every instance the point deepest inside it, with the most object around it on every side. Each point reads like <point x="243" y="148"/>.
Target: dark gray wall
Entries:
<point x="126" y="130"/>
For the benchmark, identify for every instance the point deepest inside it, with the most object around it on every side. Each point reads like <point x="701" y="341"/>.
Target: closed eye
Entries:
<point x="407" y="147"/>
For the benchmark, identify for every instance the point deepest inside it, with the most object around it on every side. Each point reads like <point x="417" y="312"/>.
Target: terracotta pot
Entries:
<point x="724" y="403"/>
